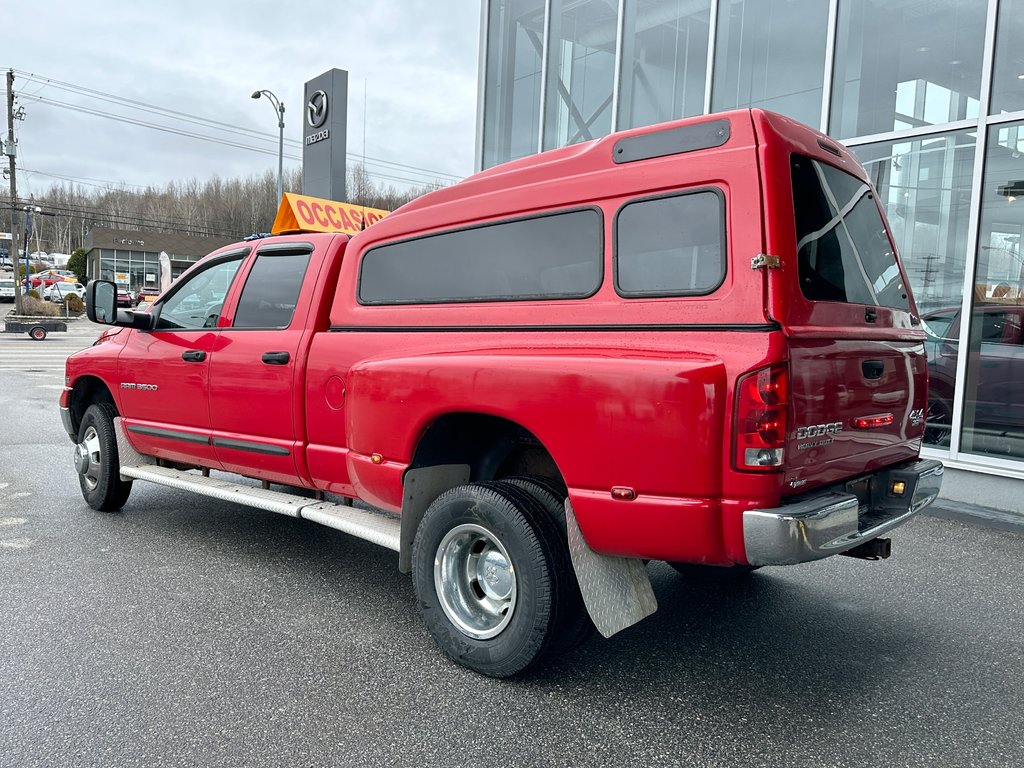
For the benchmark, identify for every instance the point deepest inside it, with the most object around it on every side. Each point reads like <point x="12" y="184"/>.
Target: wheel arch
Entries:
<point x="492" y="446"/>
<point x="87" y="391"/>
<point x="458" y="448"/>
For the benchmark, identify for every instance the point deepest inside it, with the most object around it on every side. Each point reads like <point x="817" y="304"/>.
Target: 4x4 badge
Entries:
<point x="916" y="417"/>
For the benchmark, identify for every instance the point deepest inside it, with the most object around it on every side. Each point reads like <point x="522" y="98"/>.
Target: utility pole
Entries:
<point x="10" y="149"/>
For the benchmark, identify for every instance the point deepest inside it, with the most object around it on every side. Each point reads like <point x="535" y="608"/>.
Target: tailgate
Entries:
<point x="858" y="373"/>
<point x="856" y="405"/>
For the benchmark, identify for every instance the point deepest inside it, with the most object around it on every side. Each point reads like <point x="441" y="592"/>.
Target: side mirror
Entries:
<point x="101" y="307"/>
<point x="101" y="302"/>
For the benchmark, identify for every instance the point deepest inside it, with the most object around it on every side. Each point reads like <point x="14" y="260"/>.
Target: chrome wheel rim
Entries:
<point x="88" y="459"/>
<point x="475" y="581"/>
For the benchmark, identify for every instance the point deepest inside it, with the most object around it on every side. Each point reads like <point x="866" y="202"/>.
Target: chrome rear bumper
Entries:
<point x="835" y="521"/>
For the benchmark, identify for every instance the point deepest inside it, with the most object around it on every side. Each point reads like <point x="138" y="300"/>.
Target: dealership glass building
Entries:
<point x="132" y="258"/>
<point x="928" y="93"/>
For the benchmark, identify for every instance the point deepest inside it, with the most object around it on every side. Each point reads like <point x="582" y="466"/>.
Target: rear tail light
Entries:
<point x="762" y="401"/>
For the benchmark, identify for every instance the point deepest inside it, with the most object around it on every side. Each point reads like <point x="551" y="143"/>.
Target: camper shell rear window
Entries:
<point x="843" y="249"/>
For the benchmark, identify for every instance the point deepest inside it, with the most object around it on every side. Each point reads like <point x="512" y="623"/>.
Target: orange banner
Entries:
<point x="299" y="213"/>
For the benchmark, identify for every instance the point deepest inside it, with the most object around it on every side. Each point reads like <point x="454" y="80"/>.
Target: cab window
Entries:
<point x="197" y="303"/>
<point x="271" y="290"/>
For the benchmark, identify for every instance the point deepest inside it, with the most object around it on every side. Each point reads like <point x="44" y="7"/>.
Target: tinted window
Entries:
<point x="843" y="248"/>
<point x="1001" y="327"/>
<point x="671" y="246"/>
<point x="556" y="256"/>
<point x="938" y="323"/>
<point x="197" y="302"/>
<point x="271" y="290"/>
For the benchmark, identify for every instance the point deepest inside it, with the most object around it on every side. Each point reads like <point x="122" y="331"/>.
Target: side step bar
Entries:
<point x="376" y="527"/>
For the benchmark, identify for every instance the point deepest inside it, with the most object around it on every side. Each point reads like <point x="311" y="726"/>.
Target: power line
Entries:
<point x="201" y="137"/>
<point x="151" y="108"/>
<point x="208" y="122"/>
<point x="155" y="126"/>
<point x="85" y="180"/>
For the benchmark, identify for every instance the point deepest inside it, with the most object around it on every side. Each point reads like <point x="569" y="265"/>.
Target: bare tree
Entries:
<point x="218" y="207"/>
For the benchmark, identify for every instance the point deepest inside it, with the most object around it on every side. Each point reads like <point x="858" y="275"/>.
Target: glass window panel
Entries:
<point x="511" y="120"/>
<point x="665" y="51"/>
<point x="771" y="54"/>
<point x="924" y="186"/>
<point x="557" y="256"/>
<point x="671" y="246"/>
<point x="993" y="415"/>
<point x="581" y="71"/>
<point x="1008" y="71"/>
<point x="271" y="290"/>
<point x="106" y="264"/>
<point x="843" y="249"/>
<point x="903" y="65"/>
<point x="197" y="303"/>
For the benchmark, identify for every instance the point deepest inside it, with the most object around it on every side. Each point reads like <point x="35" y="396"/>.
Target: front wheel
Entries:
<point x="485" y="569"/>
<point x="96" y="460"/>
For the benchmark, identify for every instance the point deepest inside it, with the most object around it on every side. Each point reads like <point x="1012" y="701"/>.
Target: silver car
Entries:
<point x="60" y="291"/>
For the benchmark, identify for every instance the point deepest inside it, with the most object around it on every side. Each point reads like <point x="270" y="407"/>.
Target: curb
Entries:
<point x="975" y="514"/>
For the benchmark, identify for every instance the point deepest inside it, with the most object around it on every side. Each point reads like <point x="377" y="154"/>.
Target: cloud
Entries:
<point x="416" y="60"/>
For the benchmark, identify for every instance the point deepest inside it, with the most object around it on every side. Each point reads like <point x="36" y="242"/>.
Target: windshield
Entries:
<point x="843" y="249"/>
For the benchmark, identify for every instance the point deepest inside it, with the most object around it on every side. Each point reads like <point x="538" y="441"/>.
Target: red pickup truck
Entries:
<point x="692" y="342"/>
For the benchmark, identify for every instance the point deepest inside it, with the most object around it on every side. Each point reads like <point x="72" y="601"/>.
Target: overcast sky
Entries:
<point x="418" y="60"/>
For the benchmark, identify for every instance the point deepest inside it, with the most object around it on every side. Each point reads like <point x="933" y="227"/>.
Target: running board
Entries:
<point x="376" y="527"/>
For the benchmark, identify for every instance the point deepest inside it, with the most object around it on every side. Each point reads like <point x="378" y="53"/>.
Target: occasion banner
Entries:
<point x="299" y="213"/>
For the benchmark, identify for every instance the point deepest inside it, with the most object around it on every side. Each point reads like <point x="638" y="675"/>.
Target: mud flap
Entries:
<point x="420" y="488"/>
<point x="616" y="590"/>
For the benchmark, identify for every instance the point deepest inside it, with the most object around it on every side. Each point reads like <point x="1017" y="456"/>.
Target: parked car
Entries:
<point x="58" y="292"/>
<point x="7" y="289"/>
<point x="47" y="278"/>
<point x="995" y="397"/>
<point x="125" y="298"/>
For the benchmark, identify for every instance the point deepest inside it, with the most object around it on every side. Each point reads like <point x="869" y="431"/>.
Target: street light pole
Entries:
<point x="279" y="109"/>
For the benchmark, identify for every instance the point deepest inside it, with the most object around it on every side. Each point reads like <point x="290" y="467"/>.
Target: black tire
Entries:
<point x="732" y="572"/>
<point x="572" y="624"/>
<point x="37" y="333"/>
<point x="938" y="421"/>
<point x="494" y="555"/>
<point x="96" y="460"/>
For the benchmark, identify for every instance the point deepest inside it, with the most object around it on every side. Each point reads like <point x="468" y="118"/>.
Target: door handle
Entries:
<point x="193" y="356"/>
<point x="872" y="369"/>
<point x="276" y="358"/>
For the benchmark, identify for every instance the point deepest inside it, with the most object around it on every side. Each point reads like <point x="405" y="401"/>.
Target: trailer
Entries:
<point x="36" y="328"/>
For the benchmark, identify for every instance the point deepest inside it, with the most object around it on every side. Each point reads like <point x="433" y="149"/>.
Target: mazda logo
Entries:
<point x="316" y="109"/>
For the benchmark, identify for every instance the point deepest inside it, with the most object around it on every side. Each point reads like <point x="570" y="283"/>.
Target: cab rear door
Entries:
<point x="255" y="407"/>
